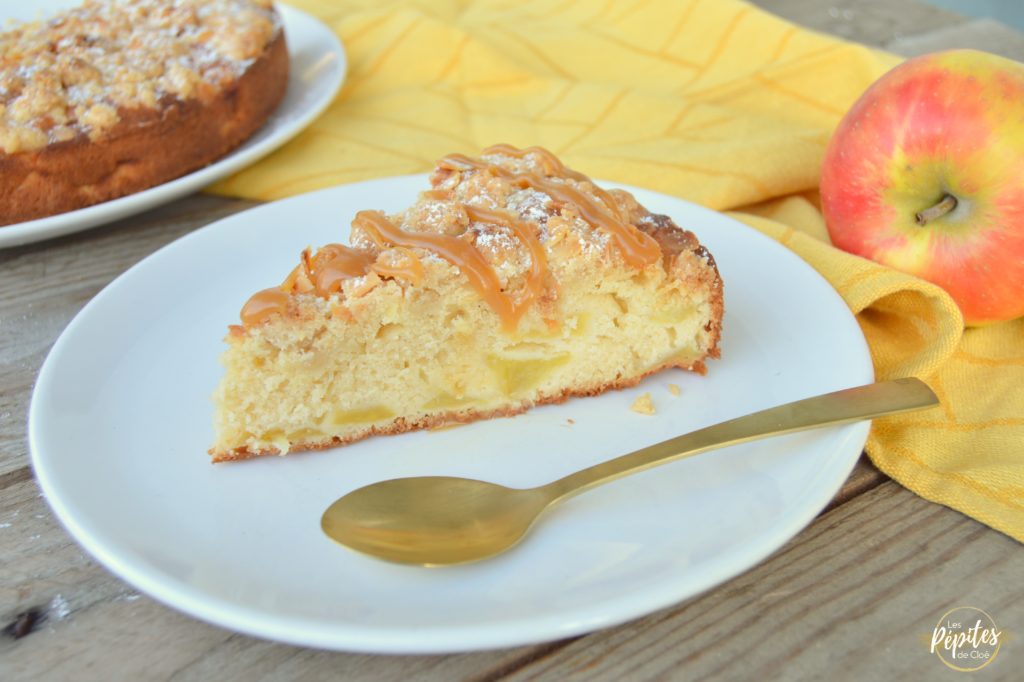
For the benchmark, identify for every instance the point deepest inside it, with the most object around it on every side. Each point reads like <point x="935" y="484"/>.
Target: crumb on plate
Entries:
<point x="643" y="404"/>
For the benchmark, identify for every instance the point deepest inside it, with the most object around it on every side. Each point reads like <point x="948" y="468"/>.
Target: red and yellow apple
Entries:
<point x="926" y="174"/>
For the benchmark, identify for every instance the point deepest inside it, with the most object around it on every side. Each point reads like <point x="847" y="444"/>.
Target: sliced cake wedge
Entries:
<point x="511" y="282"/>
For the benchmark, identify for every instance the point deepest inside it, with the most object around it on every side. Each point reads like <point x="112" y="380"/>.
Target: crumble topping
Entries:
<point x="70" y="74"/>
<point x="555" y="224"/>
<point x="530" y="205"/>
<point x="502" y="249"/>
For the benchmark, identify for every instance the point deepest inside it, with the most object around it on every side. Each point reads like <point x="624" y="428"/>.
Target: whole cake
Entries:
<point x="116" y="96"/>
<point x="513" y="281"/>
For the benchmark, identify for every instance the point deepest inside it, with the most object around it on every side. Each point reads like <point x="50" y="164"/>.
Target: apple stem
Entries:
<point x="945" y="205"/>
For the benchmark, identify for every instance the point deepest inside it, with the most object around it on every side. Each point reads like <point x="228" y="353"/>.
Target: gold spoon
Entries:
<point x="437" y="520"/>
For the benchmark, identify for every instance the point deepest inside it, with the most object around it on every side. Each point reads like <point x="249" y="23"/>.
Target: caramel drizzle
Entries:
<point x="331" y="265"/>
<point x="551" y="163"/>
<point x="334" y="263"/>
<point x="538" y="259"/>
<point x="411" y="272"/>
<point x="323" y="274"/>
<point x="553" y="166"/>
<point x="637" y="248"/>
<point x="467" y="258"/>
<point x="263" y="304"/>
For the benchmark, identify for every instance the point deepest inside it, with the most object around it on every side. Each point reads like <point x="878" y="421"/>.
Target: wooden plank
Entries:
<point x="43" y="285"/>
<point x="856" y="596"/>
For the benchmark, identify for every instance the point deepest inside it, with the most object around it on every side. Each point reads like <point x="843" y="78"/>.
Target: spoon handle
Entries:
<point x="840" y="407"/>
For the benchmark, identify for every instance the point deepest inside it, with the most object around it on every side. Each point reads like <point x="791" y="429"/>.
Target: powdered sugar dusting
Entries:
<point x="494" y="238"/>
<point x="434" y="212"/>
<point x="483" y="201"/>
<point x="593" y="243"/>
<point x="531" y="205"/>
<point x="527" y="163"/>
<point x="502" y="249"/>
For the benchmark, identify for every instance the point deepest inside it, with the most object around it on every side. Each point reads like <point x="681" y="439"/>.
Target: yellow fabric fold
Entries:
<point x="714" y="101"/>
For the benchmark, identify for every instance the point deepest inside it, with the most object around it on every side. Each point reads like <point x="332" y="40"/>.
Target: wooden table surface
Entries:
<point x="853" y="596"/>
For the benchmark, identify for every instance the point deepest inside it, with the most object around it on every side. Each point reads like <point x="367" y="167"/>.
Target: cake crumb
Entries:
<point x="673" y="389"/>
<point x="643" y="404"/>
<point x="571" y="421"/>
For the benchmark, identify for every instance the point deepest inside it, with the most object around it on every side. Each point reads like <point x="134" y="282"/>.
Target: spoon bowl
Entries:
<point x="438" y="520"/>
<point x="450" y="520"/>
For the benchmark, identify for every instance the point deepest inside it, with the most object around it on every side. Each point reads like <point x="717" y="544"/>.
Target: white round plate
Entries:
<point x="121" y="419"/>
<point x="317" y="72"/>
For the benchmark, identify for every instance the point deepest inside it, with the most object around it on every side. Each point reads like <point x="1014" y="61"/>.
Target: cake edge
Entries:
<point x="172" y="140"/>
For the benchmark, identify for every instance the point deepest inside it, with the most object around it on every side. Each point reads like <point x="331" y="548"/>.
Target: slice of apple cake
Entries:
<point x="514" y="281"/>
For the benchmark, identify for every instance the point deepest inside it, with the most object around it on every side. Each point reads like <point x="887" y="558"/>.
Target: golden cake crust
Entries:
<point x="146" y="145"/>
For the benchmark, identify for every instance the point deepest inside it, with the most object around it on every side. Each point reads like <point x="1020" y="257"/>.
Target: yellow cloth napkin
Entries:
<point x="711" y="100"/>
